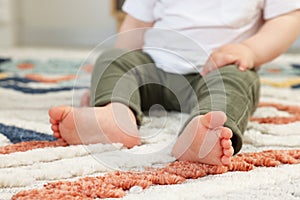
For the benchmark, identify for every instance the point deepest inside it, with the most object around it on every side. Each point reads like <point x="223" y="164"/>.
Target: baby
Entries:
<point x="154" y="65"/>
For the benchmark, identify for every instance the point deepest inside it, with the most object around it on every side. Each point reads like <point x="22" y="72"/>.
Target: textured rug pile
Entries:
<point x="34" y="81"/>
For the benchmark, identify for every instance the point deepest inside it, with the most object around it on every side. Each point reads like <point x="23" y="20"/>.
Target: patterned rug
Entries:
<point x="33" y="162"/>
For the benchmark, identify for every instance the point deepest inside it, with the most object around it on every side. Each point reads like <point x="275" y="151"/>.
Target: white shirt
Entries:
<point x="185" y="32"/>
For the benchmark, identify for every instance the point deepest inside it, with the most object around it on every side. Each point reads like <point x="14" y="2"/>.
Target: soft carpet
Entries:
<point x="29" y="86"/>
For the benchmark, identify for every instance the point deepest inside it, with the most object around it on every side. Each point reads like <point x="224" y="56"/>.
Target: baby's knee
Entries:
<point x="234" y="71"/>
<point x="110" y="55"/>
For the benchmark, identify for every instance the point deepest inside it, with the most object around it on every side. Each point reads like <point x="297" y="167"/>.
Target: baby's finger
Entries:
<point x="212" y="63"/>
<point x="218" y="60"/>
<point x="243" y="65"/>
<point x="208" y="67"/>
<point x="224" y="59"/>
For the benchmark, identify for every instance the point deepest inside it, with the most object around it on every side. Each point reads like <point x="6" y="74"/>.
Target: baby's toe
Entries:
<point x="226" y="133"/>
<point x="52" y="121"/>
<point x="228" y="152"/>
<point x="226" y="143"/>
<point x="225" y="160"/>
<point x="58" y="113"/>
<point x="56" y="135"/>
<point x="55" y="128"/>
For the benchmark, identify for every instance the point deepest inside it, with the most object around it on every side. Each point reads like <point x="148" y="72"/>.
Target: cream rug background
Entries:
<point x="31" y="169"/>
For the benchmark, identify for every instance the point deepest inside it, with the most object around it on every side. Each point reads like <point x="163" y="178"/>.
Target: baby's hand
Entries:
<point x="238" y="54"/>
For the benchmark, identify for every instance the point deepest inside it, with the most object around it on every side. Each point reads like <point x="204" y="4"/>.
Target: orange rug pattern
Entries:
<point x="115" y="184"/>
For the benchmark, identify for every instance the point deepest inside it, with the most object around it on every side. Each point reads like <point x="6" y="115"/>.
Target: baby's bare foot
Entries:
<point x="114" y="123"/>
<point x="205" y="140"/>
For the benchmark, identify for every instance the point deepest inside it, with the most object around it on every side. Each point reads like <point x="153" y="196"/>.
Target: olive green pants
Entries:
<point x="131" y="78"/>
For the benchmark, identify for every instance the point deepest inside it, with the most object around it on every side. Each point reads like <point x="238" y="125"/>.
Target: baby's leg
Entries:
<point x="206" y="137"/>
<point x="115" y="100"/>
<point x="114" y="123"/>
